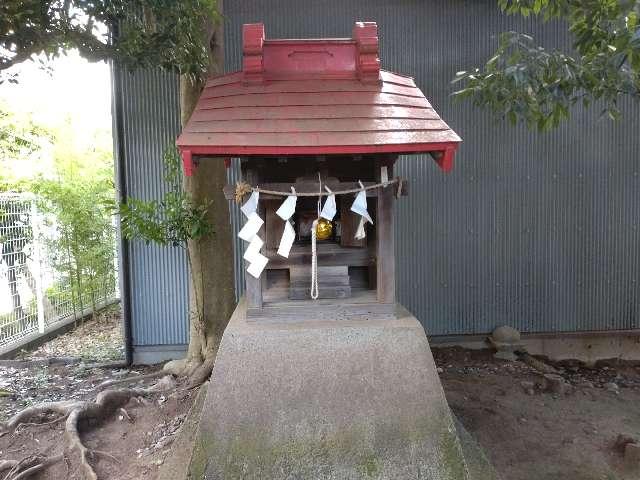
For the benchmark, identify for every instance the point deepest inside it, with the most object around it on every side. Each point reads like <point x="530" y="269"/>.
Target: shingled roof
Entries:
<point x="314" y="97"/>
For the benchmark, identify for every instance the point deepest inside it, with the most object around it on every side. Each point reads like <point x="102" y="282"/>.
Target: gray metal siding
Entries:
<point x="539" y="231"/>
<point x="237" y="220"/>
<point x="158" y="290"/>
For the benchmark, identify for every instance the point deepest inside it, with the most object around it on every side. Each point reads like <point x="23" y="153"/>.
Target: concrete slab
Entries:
<point x="349" y="399"/>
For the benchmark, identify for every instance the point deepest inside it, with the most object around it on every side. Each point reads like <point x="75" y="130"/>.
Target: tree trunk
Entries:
<point x="212" y="298"/>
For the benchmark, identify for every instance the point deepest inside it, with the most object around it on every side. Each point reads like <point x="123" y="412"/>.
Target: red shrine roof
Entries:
<point x="314" y="97"/>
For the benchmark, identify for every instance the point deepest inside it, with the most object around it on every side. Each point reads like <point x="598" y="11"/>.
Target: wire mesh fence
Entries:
<point x="41" y="285"/>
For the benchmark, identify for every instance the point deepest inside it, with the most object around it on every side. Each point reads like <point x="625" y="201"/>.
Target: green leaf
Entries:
<point x="172" y="220"/>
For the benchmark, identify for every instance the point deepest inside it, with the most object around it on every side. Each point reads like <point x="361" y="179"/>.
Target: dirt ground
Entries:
<point x="532" y="434"/>
<point x="138" y="446"/>
<point x="528" y="432"/>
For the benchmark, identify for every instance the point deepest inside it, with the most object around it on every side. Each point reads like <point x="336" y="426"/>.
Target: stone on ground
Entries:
<point x="554" y="383"/>
<point x="506" y="341"/>
<point x="506" y="334"/>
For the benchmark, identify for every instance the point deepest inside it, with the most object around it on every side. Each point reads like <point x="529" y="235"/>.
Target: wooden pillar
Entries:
<point x="385" y="256"/>
<point x="253" y="286"/>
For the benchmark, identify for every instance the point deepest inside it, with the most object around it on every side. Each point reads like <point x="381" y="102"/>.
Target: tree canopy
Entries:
<point x="525" y="82"/>
<point x="150" y="33"/>
<point x="19" y="136"/>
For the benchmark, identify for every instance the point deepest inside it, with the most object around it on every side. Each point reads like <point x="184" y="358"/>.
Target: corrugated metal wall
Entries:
<point x="539" y="231"/>
<point x="237" y="221"/>
<point x="149" y="122"/>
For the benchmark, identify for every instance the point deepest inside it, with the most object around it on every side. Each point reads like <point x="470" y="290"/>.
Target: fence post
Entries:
<point x="37" y="270"/>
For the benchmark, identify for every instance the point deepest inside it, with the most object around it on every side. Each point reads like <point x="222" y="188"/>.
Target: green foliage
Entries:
<point x="151" y="33"/>
<point x="525" y="82"/>
<point x="20" y="140"/>
<point x="73" y="197"/>
<point x="19" y="136"/>
<point x="83" y="249"/>
<point x="59" y="293"/>
<point x="30" y="149"/>
<point x="173" y="220"/>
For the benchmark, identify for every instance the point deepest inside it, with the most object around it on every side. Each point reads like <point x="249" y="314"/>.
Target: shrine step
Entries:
<point x="324" y="291"/>
<point x="333" y="282"/>
<point x="320" y="310"/>
<point x="329" y="281"/>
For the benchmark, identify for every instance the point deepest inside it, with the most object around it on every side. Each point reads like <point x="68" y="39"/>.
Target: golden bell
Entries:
<point x="323" y="229"/>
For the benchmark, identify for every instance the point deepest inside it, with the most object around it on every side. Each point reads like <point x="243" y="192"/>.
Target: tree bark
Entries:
<point x="212" y="297"/>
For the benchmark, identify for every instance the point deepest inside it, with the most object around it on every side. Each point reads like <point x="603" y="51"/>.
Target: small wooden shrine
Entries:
<point x="320" y="374"/>
<point x="321" y="117"/>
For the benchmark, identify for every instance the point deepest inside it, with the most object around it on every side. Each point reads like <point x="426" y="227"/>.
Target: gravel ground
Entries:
<point x="99" y="340"/>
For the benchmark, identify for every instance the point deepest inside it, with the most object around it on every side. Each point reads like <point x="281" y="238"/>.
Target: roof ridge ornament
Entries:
<point x="252" y="52"/>
<point x="357" y="57"/>
<point x="365" y="35"/>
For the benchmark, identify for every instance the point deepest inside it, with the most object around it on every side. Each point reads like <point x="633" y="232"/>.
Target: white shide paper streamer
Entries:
<point x="288" y="207"/>
<point x="251" y="228"/>
<point x="251" y="205"/>
<point x="359" y="206"/>
<point x="249" y="233"/>
<point x="329" y="208"/>
<point x="256" y="268"/>
<point x="253" y="250"/>
<point x="288" y="236"/>
<point x="360" y="232"/>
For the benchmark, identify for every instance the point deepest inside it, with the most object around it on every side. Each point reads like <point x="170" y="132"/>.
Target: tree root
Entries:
<point x="41" y="424"/>
<point x="539" y="365"/>
<point x="196" y="370"/>
<point x="62" y="408"/>
<point x="77" y="413"/>
<point x="177" y="367"/>
<point x="126" y="415"/>
<point x="31" y="465"/>
<point x="7" y="464"/>
<point x="201" y="374"/>
<point x="131" y="379"/>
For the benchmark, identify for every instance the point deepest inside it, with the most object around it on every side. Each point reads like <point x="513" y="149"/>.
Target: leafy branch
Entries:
<point x="19" y="137"/>
<point x="151" y="33"/>
<point x="524" y="82"/>
<point x="174" y="220"/>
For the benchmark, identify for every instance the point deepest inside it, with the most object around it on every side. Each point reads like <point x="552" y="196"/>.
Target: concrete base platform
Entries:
<point x="349" y="399"/>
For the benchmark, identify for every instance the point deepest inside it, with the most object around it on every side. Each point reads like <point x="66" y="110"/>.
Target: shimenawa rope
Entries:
<point x="243" y="188"/>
